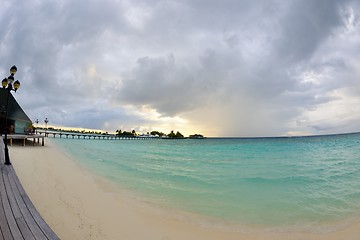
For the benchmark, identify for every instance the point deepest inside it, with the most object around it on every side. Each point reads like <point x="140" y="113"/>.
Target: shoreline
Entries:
<point x="79" y="205"/>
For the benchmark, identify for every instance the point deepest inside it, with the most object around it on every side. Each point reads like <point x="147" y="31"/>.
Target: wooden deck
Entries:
<point x="24" y="138"/>
<point x="19" y="219"/>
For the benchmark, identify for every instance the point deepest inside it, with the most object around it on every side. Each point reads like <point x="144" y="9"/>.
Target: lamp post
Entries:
<point x="46" y="122"/>
<point x="37" y="123"/>
<point x="9" y="85"/>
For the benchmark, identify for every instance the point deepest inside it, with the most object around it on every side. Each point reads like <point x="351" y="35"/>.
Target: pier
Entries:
<point x="76" y="135"/>
<point x="19" y="219"/>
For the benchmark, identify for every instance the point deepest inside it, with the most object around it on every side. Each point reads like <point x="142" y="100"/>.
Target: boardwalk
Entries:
<point x="19" y="220"/>
<point x="91" y="136"/>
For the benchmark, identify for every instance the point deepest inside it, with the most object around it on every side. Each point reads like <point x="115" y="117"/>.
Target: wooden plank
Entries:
<point x="35" y="214"/>
<point x="14" y="206"/>
<point x="1" y="236"/>
<point x="19" y="218"/>
<point x="15" y="232"/>
<point x="25" y="231"/>
<point x="40" y="221"/>
<point x="4" y="226"/>
<point x="2" y="218"/>
<point x="28" y="218"/>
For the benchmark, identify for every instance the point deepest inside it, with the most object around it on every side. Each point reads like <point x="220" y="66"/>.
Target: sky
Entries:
<point x="220" y="68"/>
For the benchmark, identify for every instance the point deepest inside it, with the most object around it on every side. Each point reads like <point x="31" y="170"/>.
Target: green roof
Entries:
<point x="15" y="112"/>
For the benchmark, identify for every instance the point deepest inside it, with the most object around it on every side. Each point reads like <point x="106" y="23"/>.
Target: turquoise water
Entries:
<point x="262" y="181"/>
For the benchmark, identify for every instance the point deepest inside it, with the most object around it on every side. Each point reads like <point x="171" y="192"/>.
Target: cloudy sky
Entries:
<point x="220" y="68"/>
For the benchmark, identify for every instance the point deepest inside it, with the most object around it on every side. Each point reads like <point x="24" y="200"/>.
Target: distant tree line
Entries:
<point x="125" y="133"/>
<point x="175" y="135"/>
<point x="157" y="133"/>
<point x="197" y="136"/>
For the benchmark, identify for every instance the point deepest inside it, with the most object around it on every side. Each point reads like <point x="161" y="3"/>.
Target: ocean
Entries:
<point x="272" y="182"/>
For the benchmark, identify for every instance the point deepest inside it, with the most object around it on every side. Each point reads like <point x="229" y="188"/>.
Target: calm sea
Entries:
<point x="261" y="181"/>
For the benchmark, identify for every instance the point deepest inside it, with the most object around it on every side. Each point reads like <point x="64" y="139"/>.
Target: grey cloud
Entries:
<point x="305" y="26"/>
<point x="237" y="66"/>
<point x="161" y="84"/>
<point x="173" y="86"/>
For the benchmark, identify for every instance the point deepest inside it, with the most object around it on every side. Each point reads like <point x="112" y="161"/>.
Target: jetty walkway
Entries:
<point x="19" y="219"/>
<point x="90" y="136"/>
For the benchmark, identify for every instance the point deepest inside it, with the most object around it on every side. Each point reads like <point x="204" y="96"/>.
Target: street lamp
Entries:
<point x="37" y="123"/>
<point x="9" y="85"/>
<point x="46" y="122"/>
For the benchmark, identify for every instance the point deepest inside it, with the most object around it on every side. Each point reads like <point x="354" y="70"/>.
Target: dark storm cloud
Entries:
<point x="305" y="26"/>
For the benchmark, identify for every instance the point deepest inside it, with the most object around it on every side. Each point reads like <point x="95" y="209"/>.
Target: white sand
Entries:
<point x="78" y="205"/>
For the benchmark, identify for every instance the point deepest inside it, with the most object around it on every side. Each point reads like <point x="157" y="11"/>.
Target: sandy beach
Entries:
<point x="79" y="205"/>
